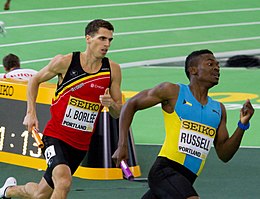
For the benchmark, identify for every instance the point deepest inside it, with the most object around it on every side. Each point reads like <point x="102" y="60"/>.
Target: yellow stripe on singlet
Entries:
<point x="170" y="146"/>
<point x="78" y="81"/>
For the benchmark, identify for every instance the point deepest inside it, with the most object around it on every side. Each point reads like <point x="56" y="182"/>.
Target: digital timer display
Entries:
<point x="14" y="137"/>
<point x="20" y="143"/>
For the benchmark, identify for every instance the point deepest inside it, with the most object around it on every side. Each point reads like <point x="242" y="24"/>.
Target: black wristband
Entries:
<point x="243" y="126"/>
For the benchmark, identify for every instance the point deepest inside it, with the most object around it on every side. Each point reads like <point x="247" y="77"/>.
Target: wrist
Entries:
<point x="112" y="104"/>
<point x="122" y="145"/>
<point x="243" y="126"/>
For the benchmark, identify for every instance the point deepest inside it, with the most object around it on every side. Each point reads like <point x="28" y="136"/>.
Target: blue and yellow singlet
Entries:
<point x="190" y="130"/>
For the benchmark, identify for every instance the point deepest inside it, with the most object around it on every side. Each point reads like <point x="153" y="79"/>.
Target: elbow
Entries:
<point x="223" y="155"/>
<point x="33" y="81"/>
<point x="225" y="158"/>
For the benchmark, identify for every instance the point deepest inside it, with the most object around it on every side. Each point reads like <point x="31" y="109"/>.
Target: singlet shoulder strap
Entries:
<point x="75" y="61"/>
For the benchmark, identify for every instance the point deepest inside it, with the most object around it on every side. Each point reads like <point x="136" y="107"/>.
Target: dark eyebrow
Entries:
<point x="210" y="59"/>
<point x="103" y="37"/>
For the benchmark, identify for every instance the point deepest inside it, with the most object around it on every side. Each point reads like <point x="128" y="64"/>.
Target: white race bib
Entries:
<point x="81" y="114"/>
<point x="196" y="139"/>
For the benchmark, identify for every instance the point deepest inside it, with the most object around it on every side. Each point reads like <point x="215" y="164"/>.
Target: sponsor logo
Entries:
<point x="214" y="111"/>
<point x="200" y="128"/>
<point x="96" y="86"/>
<point x="84" y="104"/>
<point x="73" y="73"/>
<point x="77" y="87"/>
<point x="6" y="90"/>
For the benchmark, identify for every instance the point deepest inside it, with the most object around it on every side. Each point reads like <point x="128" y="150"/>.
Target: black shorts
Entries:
<point x="170" y="180"/>
<point x="57" y="152"/>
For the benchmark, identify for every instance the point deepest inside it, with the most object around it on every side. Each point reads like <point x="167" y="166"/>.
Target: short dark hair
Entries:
<point x="11" y="61"/>
<point x="192" y="60"/>
<point x="94" y="26"/>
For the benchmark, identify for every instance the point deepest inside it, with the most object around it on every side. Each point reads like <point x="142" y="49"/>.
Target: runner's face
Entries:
<point x="208" y="69"/>
<point x="100" y="42"/>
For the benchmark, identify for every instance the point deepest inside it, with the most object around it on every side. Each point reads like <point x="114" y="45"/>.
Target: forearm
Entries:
<point x="231" y="145"/>
<point x="32" y="92"/>
<point x="125" y="121"/>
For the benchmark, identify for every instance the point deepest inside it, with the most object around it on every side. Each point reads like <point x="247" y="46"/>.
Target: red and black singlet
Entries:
<point x="76" y="107"/>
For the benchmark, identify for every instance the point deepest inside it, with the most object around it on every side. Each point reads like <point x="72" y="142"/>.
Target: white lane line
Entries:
<point x="92" y="6"/>
<point x="137" y="32"/>
<point x="140" y="17"/>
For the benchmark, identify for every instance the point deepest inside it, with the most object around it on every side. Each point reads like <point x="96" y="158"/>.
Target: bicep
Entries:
<point x="45" y="74"/>
<point x="151" y="97"/>
<point x="58" y="65"/>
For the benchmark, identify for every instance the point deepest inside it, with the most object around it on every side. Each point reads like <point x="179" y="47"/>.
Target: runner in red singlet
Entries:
<point x="87" y="81"/>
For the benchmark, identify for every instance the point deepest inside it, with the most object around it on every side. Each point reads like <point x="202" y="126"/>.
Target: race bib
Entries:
<point x="49" y="153"/>
<point x="196" y="139"/>
<point x="81" y="114"/>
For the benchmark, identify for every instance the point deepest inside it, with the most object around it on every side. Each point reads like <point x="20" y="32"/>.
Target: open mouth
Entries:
<point x="216" y="75"/>
<point x="104" y="51"/>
